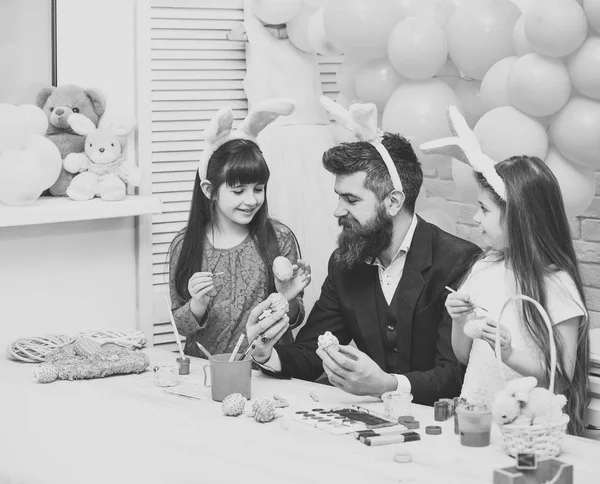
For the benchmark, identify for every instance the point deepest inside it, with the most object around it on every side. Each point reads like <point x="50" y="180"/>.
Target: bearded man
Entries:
<point x="385" y="288"/>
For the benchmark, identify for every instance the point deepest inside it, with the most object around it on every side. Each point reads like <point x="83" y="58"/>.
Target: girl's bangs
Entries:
<point x="244" y="170"/>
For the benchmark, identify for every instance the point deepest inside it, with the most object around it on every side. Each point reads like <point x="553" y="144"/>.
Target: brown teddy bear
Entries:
<point x="62" y="105"/>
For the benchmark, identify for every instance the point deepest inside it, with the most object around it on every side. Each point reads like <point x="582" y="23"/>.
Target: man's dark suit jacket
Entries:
<point x="347" y="308"/>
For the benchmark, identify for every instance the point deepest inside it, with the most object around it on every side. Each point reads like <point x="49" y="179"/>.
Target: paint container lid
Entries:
<point x="402" y="457"/>
<point x="433" y="430"/>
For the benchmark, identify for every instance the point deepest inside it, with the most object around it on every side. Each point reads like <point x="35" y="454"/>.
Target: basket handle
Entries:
<point x="544" y="314"/>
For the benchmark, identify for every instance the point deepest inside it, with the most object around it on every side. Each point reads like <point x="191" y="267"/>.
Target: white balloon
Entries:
<point x="448" y="74"/>
<point x="584" y="67"/>
<point x="469" y="92"/>
<point x="520" y="42"/>
<point x="555" y="27"/>
<point x="539" y="85"/>
<point x="274" y="12"/>
<point x="316" y="35"/>
<point x="12" y="128"/>
<point x="297" y="29"/>
<point x="494" y="86"/>
<point x="592" y="12"/>
<point x="576" y="182"/>
<point x="504" y="132"/>
<point x="19" y="177"/>
<point x="35" y="119"/>
<point x="48" y="155"/>
<point x="417" y="47"/>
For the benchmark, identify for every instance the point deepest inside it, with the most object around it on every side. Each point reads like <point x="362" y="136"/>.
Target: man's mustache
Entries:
<point x="347" y="222"/>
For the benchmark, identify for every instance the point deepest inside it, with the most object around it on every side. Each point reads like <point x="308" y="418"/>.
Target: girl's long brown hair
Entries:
<point x="540" y="244"/>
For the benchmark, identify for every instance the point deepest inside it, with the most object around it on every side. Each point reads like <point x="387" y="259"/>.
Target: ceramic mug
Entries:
<point x="227" y="377"/>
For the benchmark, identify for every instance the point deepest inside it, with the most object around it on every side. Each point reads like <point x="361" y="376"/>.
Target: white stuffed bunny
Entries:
<point x="103" y="170"/>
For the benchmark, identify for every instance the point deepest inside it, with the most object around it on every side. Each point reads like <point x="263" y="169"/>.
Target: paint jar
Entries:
<point x="474" y="426"/>
<point x="184" y="366"/>
<point x="441" y="411"/>
<point x="396" y="404"/>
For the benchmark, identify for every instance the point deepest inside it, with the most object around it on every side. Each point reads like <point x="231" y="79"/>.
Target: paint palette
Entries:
<point x="343" y="420"/>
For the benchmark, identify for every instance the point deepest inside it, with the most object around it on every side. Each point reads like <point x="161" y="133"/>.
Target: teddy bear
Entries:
<point x="64" y="105"/>
<point x="102" y="169"/>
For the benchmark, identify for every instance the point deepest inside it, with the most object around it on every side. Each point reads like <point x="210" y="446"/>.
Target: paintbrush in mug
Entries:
<point x="474" y="305"/>
<point x="206" y="353"/>
<point x="237" y="347"/>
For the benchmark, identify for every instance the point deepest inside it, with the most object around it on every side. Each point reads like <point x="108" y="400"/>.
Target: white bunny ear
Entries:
<point x="219" y="126"/>
<point x="365" y="119"/>
<point x="465" y="147"/>
<point x="361" y="121"/>
<point x="124" y="127"/>
<point x="81" y="124"/>
<point x="338" y="112"/>
<point x="263" y="115"/>
<point x="217" y="133"/>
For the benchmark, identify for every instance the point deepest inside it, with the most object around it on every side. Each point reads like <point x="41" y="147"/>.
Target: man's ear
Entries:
<point x="206" y="188"/>
<point x="394" y="202"/>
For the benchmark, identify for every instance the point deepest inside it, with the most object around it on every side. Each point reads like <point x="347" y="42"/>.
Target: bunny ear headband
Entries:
<point x="361" y="120"/>
<point x="219" y="130"/>
<point x="464" y="147"/>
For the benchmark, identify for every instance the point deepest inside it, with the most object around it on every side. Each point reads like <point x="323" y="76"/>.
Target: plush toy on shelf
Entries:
<point x="64" y="106"/>
<point x="102" y="170"/>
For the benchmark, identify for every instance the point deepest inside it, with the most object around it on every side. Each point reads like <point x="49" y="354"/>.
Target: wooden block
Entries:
<point x="548" y="469"/>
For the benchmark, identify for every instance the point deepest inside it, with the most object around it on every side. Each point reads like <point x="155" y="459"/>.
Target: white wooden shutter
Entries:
<point x="187" y="69"/>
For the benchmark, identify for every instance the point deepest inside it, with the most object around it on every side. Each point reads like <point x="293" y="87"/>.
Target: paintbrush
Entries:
<point x="237" y="347"/>
<point x="175" y="332"/>
<point x="474" y="305"/>
<point x="206" y="353"/>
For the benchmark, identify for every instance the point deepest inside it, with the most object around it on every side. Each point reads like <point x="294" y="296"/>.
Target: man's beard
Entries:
<point x="358" y="243"/>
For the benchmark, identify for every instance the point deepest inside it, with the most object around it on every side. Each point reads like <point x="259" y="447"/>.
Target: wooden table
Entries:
<point x="123" y="429"/>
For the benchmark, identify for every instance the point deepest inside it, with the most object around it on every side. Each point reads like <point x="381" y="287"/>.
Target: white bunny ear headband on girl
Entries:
<point x="361" y="121"/>
<point x="464" y="147"/>
<point x="219" y="129"/>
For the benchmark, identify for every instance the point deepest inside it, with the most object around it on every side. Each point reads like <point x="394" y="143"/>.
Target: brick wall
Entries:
<point x="585" y="230"/>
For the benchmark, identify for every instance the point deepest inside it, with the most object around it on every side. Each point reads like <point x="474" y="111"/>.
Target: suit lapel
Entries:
<point x="409" y="289"/>
<point x="365" y="310"/>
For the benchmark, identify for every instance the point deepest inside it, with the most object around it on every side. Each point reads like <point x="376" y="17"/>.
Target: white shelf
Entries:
<point x="48" y="210"/>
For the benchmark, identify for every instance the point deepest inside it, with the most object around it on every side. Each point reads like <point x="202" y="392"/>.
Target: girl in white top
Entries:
<point x="530" y="252"/>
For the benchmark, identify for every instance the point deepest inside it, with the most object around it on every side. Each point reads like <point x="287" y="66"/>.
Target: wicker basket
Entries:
<point x="540" y="439"/>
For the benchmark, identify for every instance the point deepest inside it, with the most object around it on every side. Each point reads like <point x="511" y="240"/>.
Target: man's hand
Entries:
<point x="354" y="372"/>
<point x="266" y="332"/>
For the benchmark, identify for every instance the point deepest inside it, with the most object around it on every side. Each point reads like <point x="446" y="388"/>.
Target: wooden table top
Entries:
<point x="123" y="429"/>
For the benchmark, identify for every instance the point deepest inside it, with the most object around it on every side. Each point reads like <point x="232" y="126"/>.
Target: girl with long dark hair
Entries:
<point x="221" y="263"/>
<point x="531" y="253"/>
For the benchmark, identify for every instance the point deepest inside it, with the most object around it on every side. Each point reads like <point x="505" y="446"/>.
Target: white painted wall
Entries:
<point x="25" y="49"/>
<point x="62" y="278"/>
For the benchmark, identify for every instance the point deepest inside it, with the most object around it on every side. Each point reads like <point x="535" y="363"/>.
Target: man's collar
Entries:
<point x="404" y="245"/>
